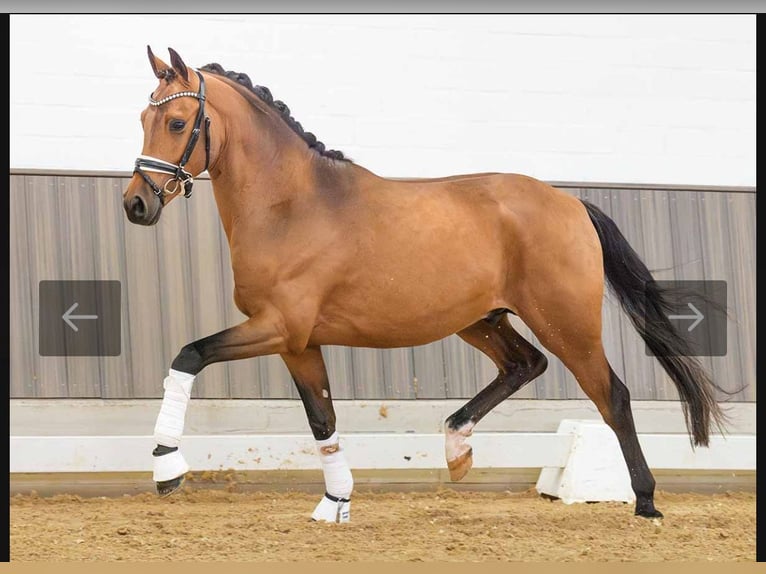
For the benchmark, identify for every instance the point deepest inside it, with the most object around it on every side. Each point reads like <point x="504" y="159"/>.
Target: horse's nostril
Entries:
<point x="137" y="207"/>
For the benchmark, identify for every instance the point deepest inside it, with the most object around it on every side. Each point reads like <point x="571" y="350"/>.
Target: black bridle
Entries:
<point x="180" y="175"/>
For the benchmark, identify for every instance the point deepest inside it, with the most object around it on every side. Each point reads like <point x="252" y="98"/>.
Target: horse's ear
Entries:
<point x="178" y="64"/>
<point x="159" y="67"/>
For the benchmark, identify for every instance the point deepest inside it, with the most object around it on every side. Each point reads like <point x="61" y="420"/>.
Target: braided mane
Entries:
<point x="264" y="94"/>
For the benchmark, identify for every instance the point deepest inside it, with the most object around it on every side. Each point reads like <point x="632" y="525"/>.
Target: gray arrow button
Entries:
<point x="697" y="317"/>
<point x="67" y="316"/>
<point x="79" y="318"/>
<point x="701" y="305"/>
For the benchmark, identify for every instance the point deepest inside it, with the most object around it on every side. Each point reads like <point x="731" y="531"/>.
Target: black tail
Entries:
<point x="647" y="306"/>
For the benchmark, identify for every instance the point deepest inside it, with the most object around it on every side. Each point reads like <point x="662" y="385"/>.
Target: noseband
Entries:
<point x="181" y="177"/>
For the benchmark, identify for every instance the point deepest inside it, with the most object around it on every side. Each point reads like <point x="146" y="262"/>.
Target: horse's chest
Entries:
<point x="253" y="285"/>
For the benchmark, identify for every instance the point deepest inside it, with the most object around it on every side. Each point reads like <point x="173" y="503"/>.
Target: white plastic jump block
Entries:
<point x="595" y="470"/>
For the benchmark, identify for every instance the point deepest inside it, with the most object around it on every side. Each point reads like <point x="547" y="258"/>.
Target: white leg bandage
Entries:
<point x="335" y="506"/>
<point x="170" y="422"/>
<point x="170" y="425"/>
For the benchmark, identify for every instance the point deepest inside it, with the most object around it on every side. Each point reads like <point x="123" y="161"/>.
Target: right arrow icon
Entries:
<point x="697" y="312"/>
<point x="697" y="316"/>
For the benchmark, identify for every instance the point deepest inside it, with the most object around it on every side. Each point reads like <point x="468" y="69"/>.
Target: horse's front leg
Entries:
<point x="262" y="335"/>
<point x="310" y="376"/>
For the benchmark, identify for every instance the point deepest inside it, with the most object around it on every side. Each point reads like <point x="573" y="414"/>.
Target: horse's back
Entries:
<point x="526" y="208"/>
<point x="542" y="234"/>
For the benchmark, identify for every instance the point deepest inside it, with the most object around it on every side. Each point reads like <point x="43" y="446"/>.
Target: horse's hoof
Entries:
<point x="168" y="487"/>
<point x="649" y="513"/>
<point x="332" y="509"/>
<point x="459" y="467"/>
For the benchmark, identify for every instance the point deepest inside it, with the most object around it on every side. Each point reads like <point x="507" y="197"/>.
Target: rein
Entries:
<point x="181" y="177"/>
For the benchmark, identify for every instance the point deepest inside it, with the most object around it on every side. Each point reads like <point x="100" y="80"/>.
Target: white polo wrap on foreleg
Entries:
<point x="170" y="425"/>
<point x="170" y="422"/>
<point x="338" y="482"/>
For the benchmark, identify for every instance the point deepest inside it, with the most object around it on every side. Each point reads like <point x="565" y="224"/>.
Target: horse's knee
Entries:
<point x="189" y="360"/>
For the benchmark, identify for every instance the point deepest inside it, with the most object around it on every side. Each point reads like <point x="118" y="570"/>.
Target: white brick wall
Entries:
<point x="620" y="98"/>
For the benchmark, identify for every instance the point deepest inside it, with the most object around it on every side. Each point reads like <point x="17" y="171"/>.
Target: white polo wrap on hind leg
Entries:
<point x="335" y="506"/>
<point x="170" y="425"/>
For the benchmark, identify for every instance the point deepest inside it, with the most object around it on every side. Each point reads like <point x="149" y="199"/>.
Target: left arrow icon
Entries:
<point x="67" y="316"/>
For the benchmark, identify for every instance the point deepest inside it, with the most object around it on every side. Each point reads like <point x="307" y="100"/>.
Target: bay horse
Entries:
<point x="325" y="252"/>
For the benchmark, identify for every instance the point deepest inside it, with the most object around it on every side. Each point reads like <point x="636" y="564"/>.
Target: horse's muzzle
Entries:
<point x="139" y="212"/>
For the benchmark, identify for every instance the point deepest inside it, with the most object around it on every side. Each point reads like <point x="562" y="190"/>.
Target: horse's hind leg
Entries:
<point x="572" y="331"/>
<point x="518" y="362"/>
<point x="310" y="376"/>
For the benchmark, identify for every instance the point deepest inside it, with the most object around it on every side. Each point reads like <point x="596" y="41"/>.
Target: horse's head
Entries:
<point x="176" y="141"/>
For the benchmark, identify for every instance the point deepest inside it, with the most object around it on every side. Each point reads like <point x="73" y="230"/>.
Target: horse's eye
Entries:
<point x="176" y="125"/>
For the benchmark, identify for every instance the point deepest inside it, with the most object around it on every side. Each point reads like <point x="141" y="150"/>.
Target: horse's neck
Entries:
<point x="253" y="196"/>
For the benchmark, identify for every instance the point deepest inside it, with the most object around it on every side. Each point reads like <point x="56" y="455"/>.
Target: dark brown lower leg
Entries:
<point x="620" y="418"/>
<point x="310" y="376"/>
<point x="612" y="399"/>
<point x="584" y="356"/>
<point x="518" y="362"/>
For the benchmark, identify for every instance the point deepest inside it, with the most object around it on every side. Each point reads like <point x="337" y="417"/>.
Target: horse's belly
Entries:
<point x="402" y="315"/>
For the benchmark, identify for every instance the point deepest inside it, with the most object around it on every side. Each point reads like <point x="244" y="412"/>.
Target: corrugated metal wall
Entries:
<point x="177" y="287"/>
